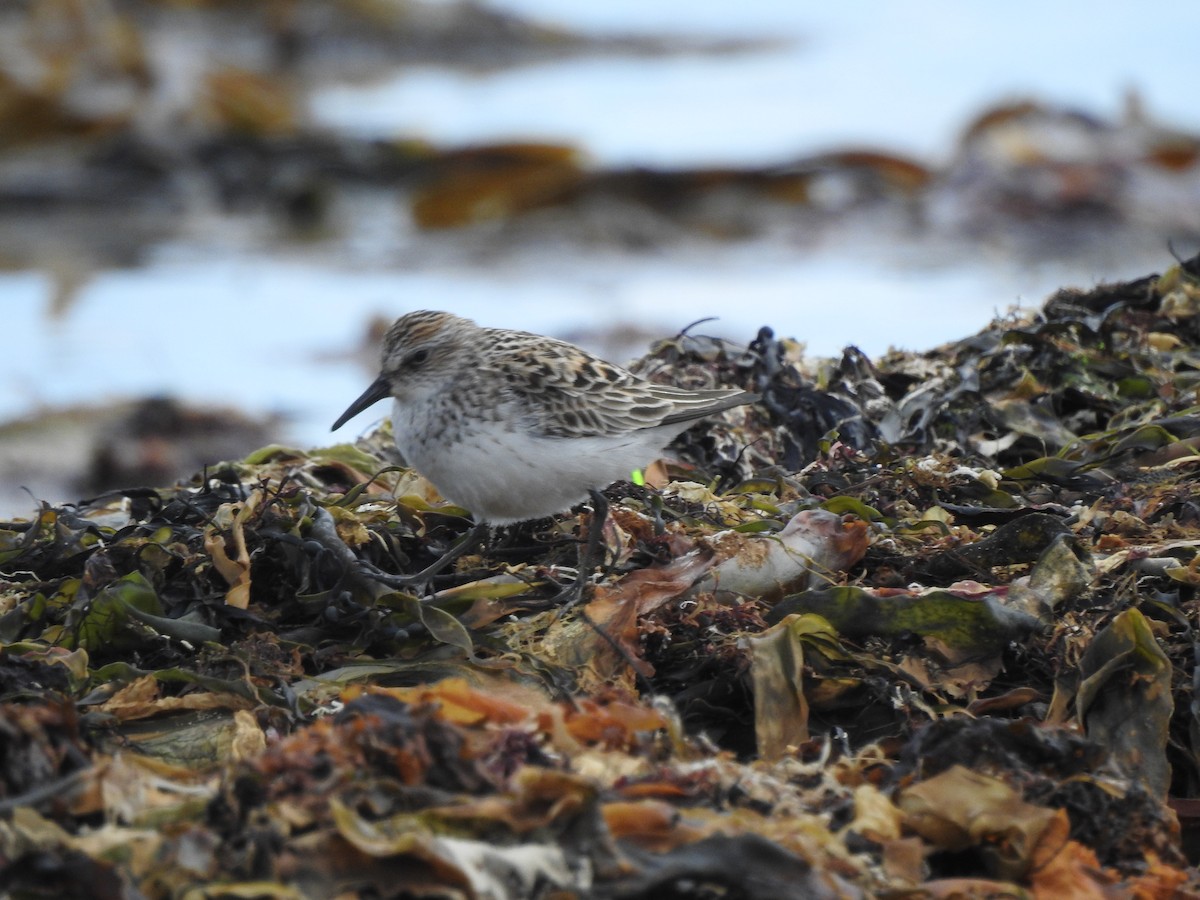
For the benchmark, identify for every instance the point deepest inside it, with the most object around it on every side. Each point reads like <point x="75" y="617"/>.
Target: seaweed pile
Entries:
<point x="915" y="627"/>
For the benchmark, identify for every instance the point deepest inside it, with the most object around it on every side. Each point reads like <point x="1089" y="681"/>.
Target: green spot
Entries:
<point x="637" y="477"/>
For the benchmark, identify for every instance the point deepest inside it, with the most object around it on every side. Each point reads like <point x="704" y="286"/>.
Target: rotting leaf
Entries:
<point x="74" y="661"/>
<point x="181" y="629"/>
<point x="960" y="808"/>
<point x="1035" y="421"/>
<point x="480" y="866"/>
<point x="1057" y="471"/>
<point x="117" y="673"/>
<point x="1124" y="699"/>
<point x="1021" y="540"/>
<point x="461" y="702"/>
<point x="278" y="453"/>
<point x="813" y="546"/>
<point x="746" y="865"/>
<point x="142" y="699"/>
<point x="244" y="890"/>
<point x="352" y="496"/>
<point x="1062" y="573"/>
<point x="235" y="570"/>
<point x="966" y="622"/>
<point x="777" y="670"/>
<point x="842" y="505"/>
<point x="104" y="625"/>
<point x="445" y="628"/>
<point x="650" y="824"/>
<point x="335" y="681"/>
<point x="497" y="587"/>
<point x="599" y="647"/>
<point x="1148" y="437"/>
<point x="198" y="739"/>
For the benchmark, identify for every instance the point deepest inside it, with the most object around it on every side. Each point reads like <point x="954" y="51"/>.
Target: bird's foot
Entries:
<point x="471" y="540"/>
<point x="590" y="558"/>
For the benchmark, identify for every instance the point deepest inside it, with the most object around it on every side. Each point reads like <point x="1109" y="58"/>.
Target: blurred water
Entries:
<point x="272" y="336"/>
<point x="904" y="75"/>
<point x="271" y="329"/>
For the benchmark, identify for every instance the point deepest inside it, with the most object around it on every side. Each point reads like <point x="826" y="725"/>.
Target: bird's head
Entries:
<point x="422" y="352"/>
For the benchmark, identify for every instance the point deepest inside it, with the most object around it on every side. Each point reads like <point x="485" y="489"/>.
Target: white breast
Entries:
<point x="504" y="476"/>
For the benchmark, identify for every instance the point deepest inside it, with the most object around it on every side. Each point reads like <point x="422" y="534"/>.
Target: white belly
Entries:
<point x="505" y="477"/>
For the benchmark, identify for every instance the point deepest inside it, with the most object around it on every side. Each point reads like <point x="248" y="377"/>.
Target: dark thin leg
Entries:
<point x="473" y="538"/>
<point x="591" y="557"/>
<point x="593" y="551"/>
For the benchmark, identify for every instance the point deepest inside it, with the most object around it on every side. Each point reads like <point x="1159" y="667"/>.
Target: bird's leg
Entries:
<point x="593" y="551"/>
<point x="472" y="539"/>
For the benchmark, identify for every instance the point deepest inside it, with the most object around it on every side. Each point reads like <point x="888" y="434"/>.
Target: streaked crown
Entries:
<point x="425" y="346"/>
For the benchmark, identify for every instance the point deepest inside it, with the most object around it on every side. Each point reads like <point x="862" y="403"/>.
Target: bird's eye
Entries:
<point x="417" y="358"/>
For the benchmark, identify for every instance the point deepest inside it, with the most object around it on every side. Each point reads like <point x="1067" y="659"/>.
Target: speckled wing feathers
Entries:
<point x="562" y="391"/>
<point x="691" y="405"/>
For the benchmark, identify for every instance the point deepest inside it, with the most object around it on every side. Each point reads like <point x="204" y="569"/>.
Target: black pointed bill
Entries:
<point x="378" y="390"/>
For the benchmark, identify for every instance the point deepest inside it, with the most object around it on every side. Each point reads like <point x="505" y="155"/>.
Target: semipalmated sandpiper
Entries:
<point x="516" y="426"/>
